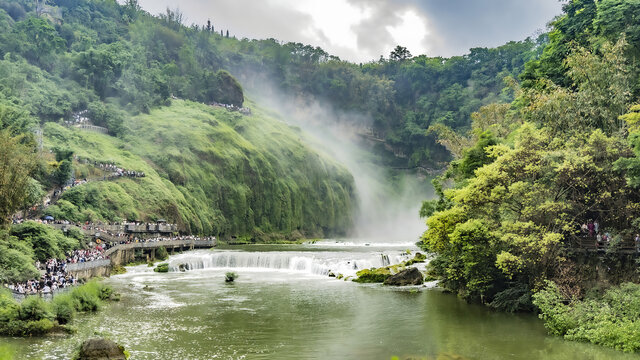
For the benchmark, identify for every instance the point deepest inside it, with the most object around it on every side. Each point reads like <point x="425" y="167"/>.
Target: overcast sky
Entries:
<point x="362" y="30"/>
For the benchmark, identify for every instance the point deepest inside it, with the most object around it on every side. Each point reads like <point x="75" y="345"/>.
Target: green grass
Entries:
<point x="212" y="172"/>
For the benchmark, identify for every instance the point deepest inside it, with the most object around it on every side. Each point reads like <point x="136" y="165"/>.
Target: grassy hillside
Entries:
<point x="211" y="171"/>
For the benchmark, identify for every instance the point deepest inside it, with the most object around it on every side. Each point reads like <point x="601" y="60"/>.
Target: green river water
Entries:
<point x="284" y="306"/>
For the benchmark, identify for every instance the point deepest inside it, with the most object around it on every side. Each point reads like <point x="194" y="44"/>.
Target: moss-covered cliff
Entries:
<point x="210" y="170"/>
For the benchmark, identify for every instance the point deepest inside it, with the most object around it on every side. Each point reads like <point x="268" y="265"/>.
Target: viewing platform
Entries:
<point x="130" y="228"/>
<point x="93" y="128"/>
<point x="169" y="245"/>
<point x="122" y="254"/>
<point x="590" y="244"/>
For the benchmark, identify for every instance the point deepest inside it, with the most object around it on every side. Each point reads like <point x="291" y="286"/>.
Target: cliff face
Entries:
<point x="210" y="170"/>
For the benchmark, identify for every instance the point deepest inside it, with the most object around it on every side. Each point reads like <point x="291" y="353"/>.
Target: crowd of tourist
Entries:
<point x="79" y="117"/>
<point x="173" y="238"/>
<point x="112" y="169"/>
<point x="603" y="238"/>
<point x="54" y="271"/>
<point x="137" y="239"/>
<point x="116" y="171"/>
<point x="230" y="107"/>
<point x="72" y="184"/>
<point x="55" y="275"/>
<point x="86" y="255"/>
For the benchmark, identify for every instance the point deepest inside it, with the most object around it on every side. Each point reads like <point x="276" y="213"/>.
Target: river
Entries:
<point x="283" y="305"/>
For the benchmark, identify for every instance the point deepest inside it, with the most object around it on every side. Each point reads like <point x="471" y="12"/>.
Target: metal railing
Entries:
<point x="157" y="244"/>
<point x="88" y="265"/>
<point x="142" y="245"/>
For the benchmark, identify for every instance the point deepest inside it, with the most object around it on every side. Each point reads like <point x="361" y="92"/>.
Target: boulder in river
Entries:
<point x="100" y="349"/>
<point x="410" y="276"/>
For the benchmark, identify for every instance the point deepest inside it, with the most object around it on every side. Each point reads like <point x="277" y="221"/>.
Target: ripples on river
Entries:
<point x="284" y="306"/>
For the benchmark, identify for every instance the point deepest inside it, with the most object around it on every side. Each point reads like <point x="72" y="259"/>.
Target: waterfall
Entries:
<point x="385" y="260"/>
<point x="317" y="263"/>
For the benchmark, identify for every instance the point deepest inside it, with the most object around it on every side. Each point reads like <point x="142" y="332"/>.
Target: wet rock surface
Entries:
<point x="100" y="349"/>
<point x="411" y="276"/>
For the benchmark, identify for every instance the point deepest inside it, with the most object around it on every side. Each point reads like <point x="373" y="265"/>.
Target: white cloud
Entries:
<point x="411" y="33"/>
<point x="362" y="30"/>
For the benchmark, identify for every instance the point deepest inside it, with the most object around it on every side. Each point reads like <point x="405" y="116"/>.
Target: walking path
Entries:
<point x="61" y="273"/>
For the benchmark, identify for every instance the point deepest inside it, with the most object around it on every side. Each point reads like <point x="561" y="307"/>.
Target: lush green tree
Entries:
<point x="106" y="115"/>
<point x="400" y="53"/>
<point x="63" y="168"/>
<point x="600" y="95"/>
<point x="16" y="260"/>
<point x="46" y="242"/>
<point x="17" y="162"/>
<point x="34" y="194"/>
<point x="37" y="39"/>
<point x="15" y="118"/>
<point x="228" y="89"/>
<point x="100" y="67"/>
<point x="533" y="197"/>
<point x="571" y="29"/>
<point x="560" y="159"/>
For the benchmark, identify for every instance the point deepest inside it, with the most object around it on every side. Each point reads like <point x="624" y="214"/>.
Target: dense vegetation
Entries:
<point x="63" y="57"/>
<point x="407" y="100"/>
<point x="558" y="147"/>
<point x="113" y="61"/>
<point x="608" y="317"/>
<point x="102" y="56"/>
<point x="29" y="242"/>
<point x="36" y="316"/>
<point x="529" y="174"/>
<point x="212" y="171"/>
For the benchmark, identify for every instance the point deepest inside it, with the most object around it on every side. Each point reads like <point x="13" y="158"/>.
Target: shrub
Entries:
<point x="373" y="275"/>
<point x="32" y="317"/>
<point x="161" y="253"/>
<point x="118" y="269"/>
<point x="16" y="262"/>
<point x="105" y="293"/>
<point x="34" y="308"/>
<point x="87" y="297"/>
<point x="513" y="299"/>
<point x="230" y="276"/>
<point x="162" y="268"/>
<point x="418" y="258"/>
<point x="63" y="308"/>
<point x="46" y="242"/>
<point x="9" y="312"/>
<point x="64" y="209"/>
<point x="35" y="316"/>
<point x="611" y="320"/>
<point x="85" y="301"/>
<point x="38" y="327"/>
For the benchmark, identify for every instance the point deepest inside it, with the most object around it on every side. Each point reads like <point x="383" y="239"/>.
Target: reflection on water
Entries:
<point x="289" y="314"/>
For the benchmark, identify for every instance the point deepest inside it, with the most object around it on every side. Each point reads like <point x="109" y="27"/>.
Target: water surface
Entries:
<point x="284" y="306"/>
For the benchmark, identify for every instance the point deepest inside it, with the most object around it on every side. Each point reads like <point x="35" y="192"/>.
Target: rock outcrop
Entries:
<point x="100" y="349"/>
<point x="411" y="276"/>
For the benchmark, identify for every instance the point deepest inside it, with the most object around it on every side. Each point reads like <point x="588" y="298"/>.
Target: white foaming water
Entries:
<point x="315" y="263"/>
<point x="374" y="243"/>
